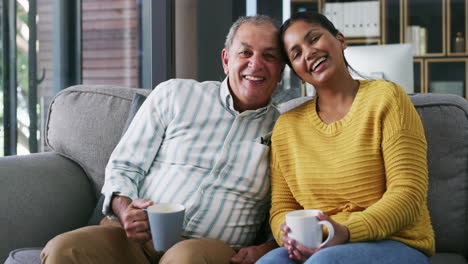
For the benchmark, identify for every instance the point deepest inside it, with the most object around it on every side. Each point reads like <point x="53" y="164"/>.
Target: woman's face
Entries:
<point x="315" y="54"/>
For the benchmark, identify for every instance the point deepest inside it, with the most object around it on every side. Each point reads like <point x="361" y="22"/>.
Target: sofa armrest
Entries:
<point x="41" y="195"/>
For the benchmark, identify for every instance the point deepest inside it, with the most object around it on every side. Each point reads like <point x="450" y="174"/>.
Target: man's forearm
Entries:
<point x="119" y="204"/>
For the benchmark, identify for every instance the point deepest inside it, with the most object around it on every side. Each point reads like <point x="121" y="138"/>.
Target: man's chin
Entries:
<point x="257" y="98"/>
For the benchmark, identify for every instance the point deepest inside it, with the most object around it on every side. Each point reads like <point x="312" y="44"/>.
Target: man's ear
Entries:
<point x="341" y="38"/>
<point x="225" y="60"/>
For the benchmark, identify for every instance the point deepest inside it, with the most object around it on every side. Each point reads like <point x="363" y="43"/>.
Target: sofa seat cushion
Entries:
<point x="85" y="123"/>
<point x="25" y="256"/>
<point x="33" y="256"/>
<point x="446" y="258"/>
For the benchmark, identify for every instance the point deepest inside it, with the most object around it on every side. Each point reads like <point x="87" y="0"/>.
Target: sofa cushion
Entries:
<point x="25" y="256"/>
<point x="97" y="214"/>
<point x="445" y="120"/>
<point x="137" y="101"/>
<point x="293" y="103"/>
<point x="448" y="258"/>
<point x="85" y="123"/>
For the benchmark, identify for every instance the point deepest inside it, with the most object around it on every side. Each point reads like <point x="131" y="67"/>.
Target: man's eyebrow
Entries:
<point x="246" y="45"/>
<point x="272" y="49"/>
<point x="266" y="49"/>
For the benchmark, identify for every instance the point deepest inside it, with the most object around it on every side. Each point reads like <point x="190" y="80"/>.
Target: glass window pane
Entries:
<point x="111" y="42"/>
<point x="44" y="70"/>
<point x="2" y="128"/>
<point x="22" y="61"/>
<point x="447" y="77"/>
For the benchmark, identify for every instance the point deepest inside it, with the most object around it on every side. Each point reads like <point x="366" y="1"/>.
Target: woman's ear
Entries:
<point x="341" y="38"/>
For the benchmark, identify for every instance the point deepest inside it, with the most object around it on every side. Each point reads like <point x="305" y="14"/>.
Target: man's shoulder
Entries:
<point x="187" y="84"/>
<point x="178" y="89"/>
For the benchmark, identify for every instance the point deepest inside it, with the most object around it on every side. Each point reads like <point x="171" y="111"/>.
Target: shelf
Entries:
<point x="447" y="76"/>
<point x="430" y="16"/>
<point x="438" y="62"/>
<point x="418" y="75"/>
<point x="457" y="21"/>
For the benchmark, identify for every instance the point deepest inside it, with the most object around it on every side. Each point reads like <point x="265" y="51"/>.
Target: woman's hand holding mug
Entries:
<point x="303" y="233"/>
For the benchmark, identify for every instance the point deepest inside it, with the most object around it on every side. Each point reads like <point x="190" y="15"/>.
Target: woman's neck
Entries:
<point x="335" y="98"/>
<point x="337" y="92"/>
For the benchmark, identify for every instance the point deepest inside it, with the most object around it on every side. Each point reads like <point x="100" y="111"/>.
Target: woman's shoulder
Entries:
<point x="382" y="90"/>
<point x="298" y="112"/>
<point x="382" y="86"/>
<point x="294" y="117"/>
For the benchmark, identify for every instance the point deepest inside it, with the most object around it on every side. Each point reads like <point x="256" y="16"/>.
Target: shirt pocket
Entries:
<point x="249" y="169"/>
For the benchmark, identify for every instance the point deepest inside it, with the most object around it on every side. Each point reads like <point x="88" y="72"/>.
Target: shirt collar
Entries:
<point x="228" y="102"/>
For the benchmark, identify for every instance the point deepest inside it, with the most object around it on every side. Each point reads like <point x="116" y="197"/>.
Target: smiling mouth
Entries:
<point x="253" y="78"/>
<point x="317" y="63"/>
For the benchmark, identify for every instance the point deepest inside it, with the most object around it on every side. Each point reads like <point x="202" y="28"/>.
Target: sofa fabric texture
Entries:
<point x="137" y="101"/>
<point x="85" y="124"/>
<point x="41" y="195"/>
<point x="445" y="121"/>
<point x="24" y="256"/>
<point x="46" y="194"/>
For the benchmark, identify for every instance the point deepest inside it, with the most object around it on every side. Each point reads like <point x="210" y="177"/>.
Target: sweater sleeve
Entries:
<point x="404" y="153"/>
<point x="283" y="200"/>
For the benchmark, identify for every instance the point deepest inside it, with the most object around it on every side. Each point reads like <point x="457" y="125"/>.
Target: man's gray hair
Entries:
<point x="256" y="20"/>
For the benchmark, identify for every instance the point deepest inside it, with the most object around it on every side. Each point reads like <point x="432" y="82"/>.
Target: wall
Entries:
<point x="186" y="39"/>
<point x="214" y="20"/>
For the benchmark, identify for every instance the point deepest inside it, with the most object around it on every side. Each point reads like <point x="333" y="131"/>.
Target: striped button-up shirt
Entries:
<point x="187" y="144"/>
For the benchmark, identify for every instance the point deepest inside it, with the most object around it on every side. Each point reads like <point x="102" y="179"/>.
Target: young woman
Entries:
<point x="357" y="152"/>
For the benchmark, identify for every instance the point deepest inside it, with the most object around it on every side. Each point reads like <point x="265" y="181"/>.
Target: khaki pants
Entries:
<point x="107" y="243"/>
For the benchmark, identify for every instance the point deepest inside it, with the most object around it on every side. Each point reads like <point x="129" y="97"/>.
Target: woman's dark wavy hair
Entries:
<point x="311" y="18"/>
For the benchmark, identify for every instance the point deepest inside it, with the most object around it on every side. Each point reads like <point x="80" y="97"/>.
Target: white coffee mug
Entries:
<point x="166" y="221"/>
<point x="306" y="229"/>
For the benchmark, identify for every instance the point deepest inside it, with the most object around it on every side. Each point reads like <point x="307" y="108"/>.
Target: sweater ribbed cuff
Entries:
<point x="358" y="231"/>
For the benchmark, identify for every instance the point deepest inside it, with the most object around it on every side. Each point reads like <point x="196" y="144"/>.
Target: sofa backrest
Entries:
<point x="445" y="120"/>
<point x="85" y="123"/>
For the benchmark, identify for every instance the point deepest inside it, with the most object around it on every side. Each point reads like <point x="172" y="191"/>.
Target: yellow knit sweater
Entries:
<point x="368" y="171"/>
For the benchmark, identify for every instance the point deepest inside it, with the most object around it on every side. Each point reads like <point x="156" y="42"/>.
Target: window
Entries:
<point x="111" y="42"/>
<point x="19" y="111"/>
<point x="48" y="45"/>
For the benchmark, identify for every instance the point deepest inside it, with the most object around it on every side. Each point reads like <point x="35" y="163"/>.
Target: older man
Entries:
<point x="199" y="144"/>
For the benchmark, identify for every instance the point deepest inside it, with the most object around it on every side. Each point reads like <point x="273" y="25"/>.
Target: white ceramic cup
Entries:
<point x="166" y="221"/>
<point x="306" y="229"/>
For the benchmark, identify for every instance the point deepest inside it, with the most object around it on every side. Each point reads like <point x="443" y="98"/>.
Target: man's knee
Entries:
<point x="60" y="249"/>
<point x="198" y="251"/>
<point x="84" y="245"/>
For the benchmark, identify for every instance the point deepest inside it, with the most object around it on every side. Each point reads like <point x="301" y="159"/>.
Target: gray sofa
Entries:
<point x="45" y="194"/>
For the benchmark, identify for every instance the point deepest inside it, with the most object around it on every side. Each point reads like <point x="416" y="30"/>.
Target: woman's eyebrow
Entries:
<point x="307" y="35"/>
<point x="293" y="48"/>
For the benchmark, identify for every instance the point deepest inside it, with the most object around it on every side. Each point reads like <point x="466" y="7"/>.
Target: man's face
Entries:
<point x="253" y="65"/>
